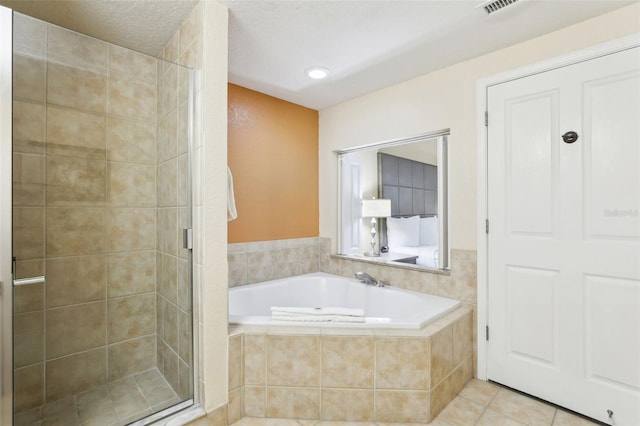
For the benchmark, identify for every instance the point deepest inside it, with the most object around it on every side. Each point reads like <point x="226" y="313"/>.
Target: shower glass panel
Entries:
<point x="101" y="194"/>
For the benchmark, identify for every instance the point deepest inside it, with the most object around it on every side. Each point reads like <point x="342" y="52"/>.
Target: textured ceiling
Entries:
<point x="142" y="25"/>
<point x="367" y="44"/>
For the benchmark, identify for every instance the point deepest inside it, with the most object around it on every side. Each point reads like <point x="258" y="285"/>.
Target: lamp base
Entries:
<point x="368" y="254"/>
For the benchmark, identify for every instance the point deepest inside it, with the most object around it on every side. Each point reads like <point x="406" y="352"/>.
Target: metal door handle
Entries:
<point x="27" y="281"/>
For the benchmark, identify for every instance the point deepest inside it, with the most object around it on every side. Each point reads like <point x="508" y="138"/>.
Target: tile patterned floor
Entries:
<point x="117" y="403"/>
<point x="478" y="404"/>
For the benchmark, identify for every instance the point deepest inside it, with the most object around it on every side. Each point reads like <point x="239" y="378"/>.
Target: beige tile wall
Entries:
<point x="85" y="212"/>
<point x="386" y="376"/>
<point x="174" y="294"/>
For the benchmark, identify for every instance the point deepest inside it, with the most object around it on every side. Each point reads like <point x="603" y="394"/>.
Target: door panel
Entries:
<point x="564" y="246"/>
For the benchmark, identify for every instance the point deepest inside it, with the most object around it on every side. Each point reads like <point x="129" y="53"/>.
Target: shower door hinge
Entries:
<point x="486" y="225"/>
<point x="486" y="118"/>
<point x="487" y="332"/>
<point x="187" y="238"/>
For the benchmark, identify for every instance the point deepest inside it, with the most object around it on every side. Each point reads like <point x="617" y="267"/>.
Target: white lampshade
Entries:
<point x="376" y="208"/>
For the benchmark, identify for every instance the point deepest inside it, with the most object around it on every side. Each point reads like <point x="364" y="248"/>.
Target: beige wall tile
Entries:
<point x="134" y="64"/>
<point x="28" y="298"/>
<point x="75" y="374"/>
<point x="133" y="99"/>
<point x="131" y="357"/>
<point x="131" y="141"/>
<point x="131" y="316"/>
<point x="262" y="266"/>
<point x="75" y="181"/>
<point x="131" y="185"/>
<point x="441" y="396"/>
<point x="255" y="401"/>
<point x="191" y="57"/>
<point x="131" y="229"/>
<point x="237" y="269"/>
<point x="293" y="403"/>
<point x="235" y="362"/>
<point x="168" y="91"/>
<point x="75" y="231"/>
<point x="183" y="117"/>
<point x="28" y="338"/>
<point x="29" y="35"/>
<point x="402" y="363"/>
<point x="350" y="405"/>
<point x="170" y="326"/>
<point x="293" y="361"/>
<point x="462" y="339"/>
<point x="462" y="374"/>
<point x="76" y="49"/>
<point x="28" y="233"/>
<point x="347" y="361"/>
<point x="185" y="380"/>
<point x="235" y="406"/>
<point x="28" y="127"/>
<point x="441" y="354"/>
<point x="168" y="136"/>
<point x="168" y="230"/>
<point x="168" y="184"/>
<point x="255" y="359"/>
<point x="28" y="390"/>
<point x="184" y="286"/>
<point x="72" y="280"/>
<point x="131" y="273"/>
<point x="29" y="78"/>
<point x="75" y="328"/>
<point x="171" y="368"/>
<point x="172" y="49"/>
<point x="28" y="179"/>
<point x="76" y="88"/>
<point x="402" y="406"/>
<point x="185" y="336"/>
<point x="182" y="173"/>
<point x="168" y="279"/>
<point x="75" y="133"/>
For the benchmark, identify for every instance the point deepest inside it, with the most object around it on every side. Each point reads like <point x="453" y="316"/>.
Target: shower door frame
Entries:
<point x="6" y="163"/>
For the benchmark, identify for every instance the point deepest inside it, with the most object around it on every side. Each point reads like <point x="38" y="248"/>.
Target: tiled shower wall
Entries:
<point x="174" y="299"/>
<point x="85" y="212"/>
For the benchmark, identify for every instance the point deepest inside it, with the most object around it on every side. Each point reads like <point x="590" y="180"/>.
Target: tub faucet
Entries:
<point x="366" y="278"/>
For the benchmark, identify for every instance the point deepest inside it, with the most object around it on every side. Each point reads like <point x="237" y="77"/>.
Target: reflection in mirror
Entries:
<point x="412" y="174"/>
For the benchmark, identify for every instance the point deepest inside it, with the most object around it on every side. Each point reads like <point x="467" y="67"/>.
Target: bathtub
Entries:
<point x="386" y="307"/>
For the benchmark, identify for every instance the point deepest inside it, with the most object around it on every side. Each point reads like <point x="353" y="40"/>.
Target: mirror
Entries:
<point x="412" y="173"/>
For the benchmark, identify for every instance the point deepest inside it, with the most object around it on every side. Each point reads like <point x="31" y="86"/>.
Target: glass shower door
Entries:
<point x="102" y="306"/>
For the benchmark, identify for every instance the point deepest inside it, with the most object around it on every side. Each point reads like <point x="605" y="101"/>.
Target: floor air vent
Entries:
<point x="496" y="5"/>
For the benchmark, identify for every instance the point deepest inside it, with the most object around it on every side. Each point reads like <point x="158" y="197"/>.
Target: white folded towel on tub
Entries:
<point x="293" y="311"/>
<point x="317" y="318"/>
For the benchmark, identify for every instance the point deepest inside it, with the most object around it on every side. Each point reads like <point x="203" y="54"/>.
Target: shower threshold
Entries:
<point x="117" y="403"/>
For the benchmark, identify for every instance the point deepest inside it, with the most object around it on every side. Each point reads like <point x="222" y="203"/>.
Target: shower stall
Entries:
<point x="102" y="297"/>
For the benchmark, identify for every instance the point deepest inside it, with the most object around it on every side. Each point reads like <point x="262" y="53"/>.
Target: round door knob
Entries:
<point x="570" y="137"/>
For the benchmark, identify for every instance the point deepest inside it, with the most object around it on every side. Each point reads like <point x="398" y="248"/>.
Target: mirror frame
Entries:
<point x="441" y="136"/>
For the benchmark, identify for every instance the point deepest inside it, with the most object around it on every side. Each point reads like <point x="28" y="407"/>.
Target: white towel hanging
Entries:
<point x="232" y="213"/>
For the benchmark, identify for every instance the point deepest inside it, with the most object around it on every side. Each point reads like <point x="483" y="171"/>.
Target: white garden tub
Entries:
<point x="383" y="306"/>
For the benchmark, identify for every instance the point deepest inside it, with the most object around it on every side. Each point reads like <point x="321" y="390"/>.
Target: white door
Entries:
<point x="564" y="237"/>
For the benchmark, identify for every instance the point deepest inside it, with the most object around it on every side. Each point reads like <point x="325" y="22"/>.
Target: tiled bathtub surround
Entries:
<point x="269" y="260"/>
<point x="352" y="375"/>
<point x="96" y="211"/>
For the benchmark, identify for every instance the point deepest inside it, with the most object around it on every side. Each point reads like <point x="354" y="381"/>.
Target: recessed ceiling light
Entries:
<point x="317" y="73"/>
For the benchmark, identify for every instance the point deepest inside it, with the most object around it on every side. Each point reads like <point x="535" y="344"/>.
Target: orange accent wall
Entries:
<point x="273" y="156"/>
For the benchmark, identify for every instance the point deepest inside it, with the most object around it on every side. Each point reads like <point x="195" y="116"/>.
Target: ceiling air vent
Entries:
<point x="493" y="6"/>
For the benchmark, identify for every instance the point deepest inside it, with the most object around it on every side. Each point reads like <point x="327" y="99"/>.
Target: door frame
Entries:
<point x="482" y="87"/>
<point x="6" y="273"/>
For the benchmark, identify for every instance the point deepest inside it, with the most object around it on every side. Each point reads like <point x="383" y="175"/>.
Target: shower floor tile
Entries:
<point x="478" y="404"/>
<point x="117" y="403"/>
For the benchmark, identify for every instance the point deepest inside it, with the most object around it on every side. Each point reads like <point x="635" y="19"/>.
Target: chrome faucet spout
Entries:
<point x="366" y="278"/>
